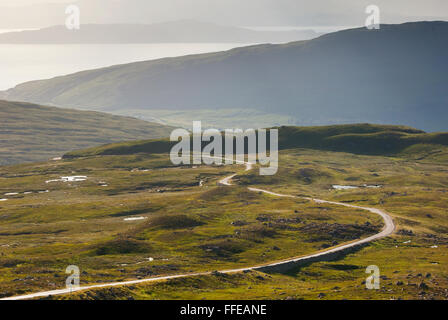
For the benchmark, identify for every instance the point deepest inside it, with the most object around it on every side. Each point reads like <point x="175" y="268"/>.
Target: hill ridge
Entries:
<point x="32" y="132"/>
<point x="363" y="139"/>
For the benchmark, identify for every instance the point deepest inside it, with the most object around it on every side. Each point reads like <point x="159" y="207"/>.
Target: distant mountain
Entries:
<point x="395" y="75"/>
<point x="31" y="132"/>
<point x="184" y="31"/>
<point x="44" y="13"/>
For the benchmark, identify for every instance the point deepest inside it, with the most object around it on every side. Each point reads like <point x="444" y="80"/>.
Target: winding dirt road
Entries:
<point x="388" y="229"/>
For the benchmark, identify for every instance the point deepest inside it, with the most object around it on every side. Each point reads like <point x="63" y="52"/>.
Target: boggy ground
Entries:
<point x="137" y="216"/>
<point x="412" y="188"/>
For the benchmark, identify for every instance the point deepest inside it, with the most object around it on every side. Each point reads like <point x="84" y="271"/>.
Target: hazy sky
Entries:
<point x="39" y="13"/>
<point x="25" y="2"/>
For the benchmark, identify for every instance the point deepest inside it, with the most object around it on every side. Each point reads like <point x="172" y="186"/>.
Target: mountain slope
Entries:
<point x="31" y="132"/>
<point x="395" y="75"/>
<point x="183" y="31"/>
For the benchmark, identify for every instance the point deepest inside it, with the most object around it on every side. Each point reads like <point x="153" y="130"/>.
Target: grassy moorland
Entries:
<point x="186" y="227"/>
<point x="412" y="261"/>
<point x="183" y="227"/>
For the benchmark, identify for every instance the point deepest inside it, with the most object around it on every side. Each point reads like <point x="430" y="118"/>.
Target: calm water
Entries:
<point x="319" y="29"/>
<point x="14" y="30"/>
<point x="21" y="63"/>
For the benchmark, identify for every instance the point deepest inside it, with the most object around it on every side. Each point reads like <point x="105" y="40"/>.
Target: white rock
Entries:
<point x="68" y="179"/>
<point x="339" y="187"/>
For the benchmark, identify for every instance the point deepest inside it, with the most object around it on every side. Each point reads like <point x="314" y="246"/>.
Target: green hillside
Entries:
<point x="368" y="139"/>
<point x="359" y="138"/>
<point x="30" y="132"/>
